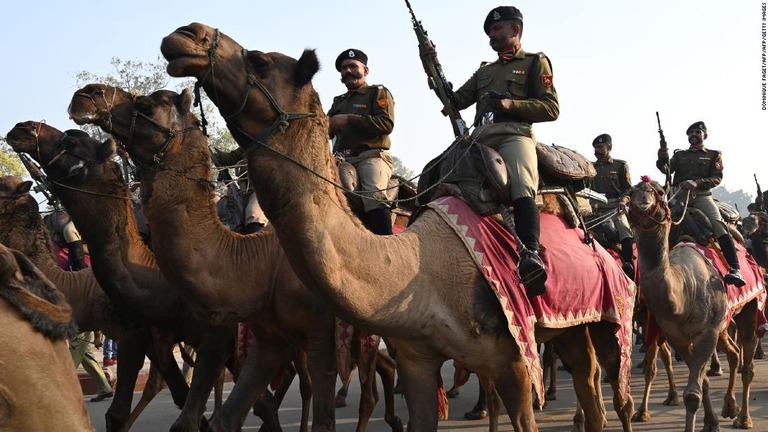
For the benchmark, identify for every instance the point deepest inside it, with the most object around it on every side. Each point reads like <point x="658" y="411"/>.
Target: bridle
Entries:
<point x="169" y="133"/>
<point x="641" y="221"/>
<point x="106" y="113"/>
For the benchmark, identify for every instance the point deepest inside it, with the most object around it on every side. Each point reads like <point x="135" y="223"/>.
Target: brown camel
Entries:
<point x="687" y="297"/>
<point x="283" y="314"/>
<point x="421" y="287"/>
<point x="22" y="228"/>
<point x="36" y="322"/>
<point x="126" y="270"/>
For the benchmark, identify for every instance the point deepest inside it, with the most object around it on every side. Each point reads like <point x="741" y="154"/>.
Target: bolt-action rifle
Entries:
<point x="759" y="194"/>
<point x="42" y="185"/>
<point x="663" y="146"/>
<point x="435" y="77"/>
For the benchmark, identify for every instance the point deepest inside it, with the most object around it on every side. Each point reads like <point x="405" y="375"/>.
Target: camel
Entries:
<point x="36" y="322"/>
<point x="127" y="271"/>
<point x="284" y="315"/>
<point x="22" y="229"/>
<point x="421" y="288"/>
<point x="687" y="297"/>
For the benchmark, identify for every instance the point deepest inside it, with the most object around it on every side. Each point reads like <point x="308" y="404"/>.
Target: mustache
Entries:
<point x="355" y="75"/>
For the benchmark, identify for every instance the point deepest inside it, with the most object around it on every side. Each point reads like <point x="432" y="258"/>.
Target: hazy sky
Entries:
<point x="615" y="63"/>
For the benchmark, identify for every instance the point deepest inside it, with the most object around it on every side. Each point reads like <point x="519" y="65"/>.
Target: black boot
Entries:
<point x="531" y="268"/>
<point x="253" y="227"/>
<point x="733" y="277"/>
<point x="628" y="257"/>
<point x="379" y="221"/>
<point x="76" y="255"/>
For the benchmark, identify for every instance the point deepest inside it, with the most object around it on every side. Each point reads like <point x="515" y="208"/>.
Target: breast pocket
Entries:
<point x="517" y="85"/>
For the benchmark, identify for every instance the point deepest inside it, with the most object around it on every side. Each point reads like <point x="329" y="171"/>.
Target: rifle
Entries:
<point x="663" y="146"/>
<point x="435" y="77"/>
<point x="42" y="185"/>
<point x="759" y="194"/>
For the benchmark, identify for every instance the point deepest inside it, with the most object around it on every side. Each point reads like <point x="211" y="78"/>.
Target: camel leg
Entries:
<point x="420" y="383"/>
<point x="643" y="415"/>
<point x="386" y="367"/>
<point x="460" y="377"/>
<point x="666" y="359"/>
<point x="218" y="392"/>
<point x="576" y="350"/>
<point x="153" y="386"/>
<point x="262" y="362"/>
<point x="747" y="339"/>
<point x="131" y="360"/>
<point x="714" y="366"/>
<point x="609" y="355"/>
<point x="728" y="346"/>
<point x="493" y="405"/>
<point x="513" y="386"/>
<point x="549" y="359"/>
<point x="305" y="389"/>
<point x="341" y="395"/>
<point x="212" y="353"/>
<point x="696" y="359"/>
<point x="368" y="393"/>
<point x="480" y="410"/>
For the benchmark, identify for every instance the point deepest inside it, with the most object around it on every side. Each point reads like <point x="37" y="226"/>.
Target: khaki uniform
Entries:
<point x="365" y="140"/>
<point x="528" y="79"/>
<point x="706" y="168"/>
<point x="253" y="211"/>
<point x="613" y="180"/>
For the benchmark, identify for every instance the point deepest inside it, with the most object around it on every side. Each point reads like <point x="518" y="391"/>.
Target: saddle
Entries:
<point x="400" y="192"/>
<point x="697" y="227"/>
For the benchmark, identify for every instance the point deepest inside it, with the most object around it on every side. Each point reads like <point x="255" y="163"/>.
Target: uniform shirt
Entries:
<point x="371" y="120"/>
<point x="527" y="77"/>
<point x="703" y="166"/>
<point x="612" y="179"/>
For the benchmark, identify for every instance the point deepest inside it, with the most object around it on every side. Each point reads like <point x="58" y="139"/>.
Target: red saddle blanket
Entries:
<point x="585" y="284"/>
<point x="737" y="297"/>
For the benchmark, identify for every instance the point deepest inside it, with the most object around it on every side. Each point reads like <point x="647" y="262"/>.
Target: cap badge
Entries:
<point x="351" y="54"/>
<point x="496" y="15"/>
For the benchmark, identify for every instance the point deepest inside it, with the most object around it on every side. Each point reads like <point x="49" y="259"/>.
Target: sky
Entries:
<point x="615" y="64"/>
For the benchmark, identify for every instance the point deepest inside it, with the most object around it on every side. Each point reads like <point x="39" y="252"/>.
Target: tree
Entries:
<point x="10" y="164"/>
<point x="400" y="168"/>
<point x="739" y="198"/>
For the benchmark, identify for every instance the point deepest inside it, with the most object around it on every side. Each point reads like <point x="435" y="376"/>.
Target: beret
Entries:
<point x="699" y="125"/>
<point x="604" y="138"/>
<point x="501" y="13"/>
<point x="351" y="53"/>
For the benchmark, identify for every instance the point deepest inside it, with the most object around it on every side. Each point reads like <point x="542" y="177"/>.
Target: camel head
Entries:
<point x="59" y="153"/>
<point x="756" y="222"/>
<point x="257" y="93"/>
<point x="647" y="206"/>
<point x="18" y="211"/>
<point x="35" y="297"/>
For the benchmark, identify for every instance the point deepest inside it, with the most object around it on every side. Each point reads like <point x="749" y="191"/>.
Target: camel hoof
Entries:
<point x="714" y="372"/>
<point x="341" y="401"/>
<point x="641" y="417"/>
<point x="397" y="426"/>
<point x="476" y="415"/>
<point x="745" y="423"/>
<point x="550" y="396"/>
<point x="452" y="393"/>
<point x="692" y="401"/>
<point x="671" y="400"/>
<point x="730" y="408"/>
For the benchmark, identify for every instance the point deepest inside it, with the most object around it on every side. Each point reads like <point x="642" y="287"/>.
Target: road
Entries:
<point x="556" y="417"/>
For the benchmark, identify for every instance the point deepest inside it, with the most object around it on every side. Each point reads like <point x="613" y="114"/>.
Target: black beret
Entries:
<point x="501" y="13"/>
<point x="351" y="53"/>
<point x="604" y="138"/>
<point x="698" y="125"/>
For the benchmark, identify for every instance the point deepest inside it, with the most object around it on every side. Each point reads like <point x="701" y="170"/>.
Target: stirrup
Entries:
<point x="532" y="273"/>
<point x="733" y="277"/>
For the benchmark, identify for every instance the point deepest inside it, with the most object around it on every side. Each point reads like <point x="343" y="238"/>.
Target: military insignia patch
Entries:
<point x="382" y="103"/>
<point x="719" y="165"/>
<point x="546" y="80"/>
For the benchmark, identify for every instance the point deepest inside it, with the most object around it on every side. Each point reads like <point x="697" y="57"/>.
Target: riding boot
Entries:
<point x="253" y="227"/>
<point x="733" y="277"/>
<point x="76" y="255"/>
<point x="531" y="268"/>
<point x="379" y="221"/>
<point x="628" y="257"/>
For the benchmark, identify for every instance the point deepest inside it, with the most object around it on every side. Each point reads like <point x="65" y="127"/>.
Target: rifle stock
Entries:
<point x="435" y="77"/>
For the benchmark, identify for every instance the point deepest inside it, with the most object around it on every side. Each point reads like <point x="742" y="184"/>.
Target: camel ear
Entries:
<point x="259" y="61"/>
<point x="306" y="68"/>
<point x="185" y="101"/>
<point x="23" y="188"/>
<point x="107" y="149"/>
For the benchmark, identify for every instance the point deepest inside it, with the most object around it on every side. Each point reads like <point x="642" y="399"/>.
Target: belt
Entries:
<point x="508" y="117"/>
<point x="354" y="152"/>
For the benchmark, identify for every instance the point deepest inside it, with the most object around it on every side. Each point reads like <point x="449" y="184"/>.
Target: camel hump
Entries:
<point x="35" y="297"/>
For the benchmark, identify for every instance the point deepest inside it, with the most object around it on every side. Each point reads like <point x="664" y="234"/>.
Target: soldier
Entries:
<point x="360" y="122"/>
<point x="525" y="94"/>
<point x="613" y="180"/>
<point x="253" y="217"/>
<point x="698" y="170"/>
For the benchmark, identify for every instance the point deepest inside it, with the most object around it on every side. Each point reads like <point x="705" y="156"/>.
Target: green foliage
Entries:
<point x="10" y="164"/>
<point x="400" y="168"/>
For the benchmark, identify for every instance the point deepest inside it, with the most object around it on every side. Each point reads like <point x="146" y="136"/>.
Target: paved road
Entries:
<point x="556" y="417"/>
